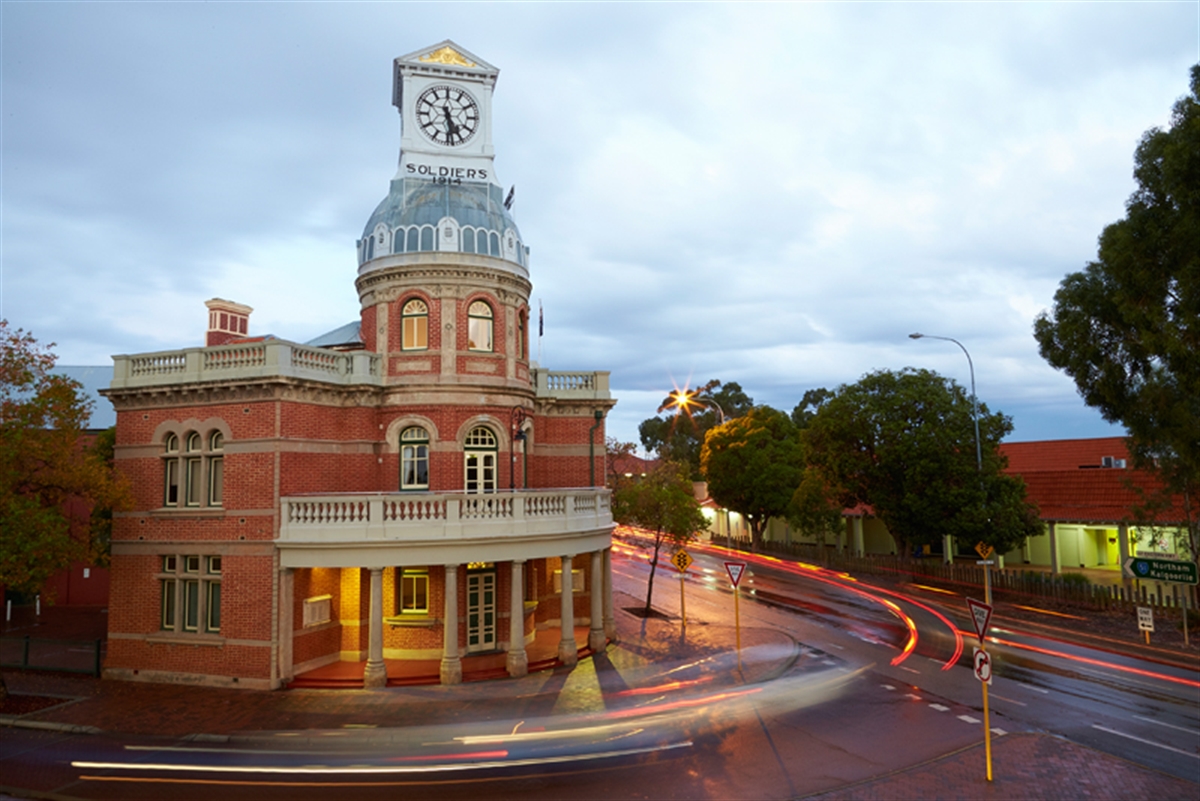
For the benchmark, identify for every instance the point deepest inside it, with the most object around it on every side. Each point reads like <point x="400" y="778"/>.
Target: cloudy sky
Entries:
<point x="772" y="194"/>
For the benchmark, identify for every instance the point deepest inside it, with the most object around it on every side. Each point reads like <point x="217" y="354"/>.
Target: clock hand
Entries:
<point x="451" y="128"/>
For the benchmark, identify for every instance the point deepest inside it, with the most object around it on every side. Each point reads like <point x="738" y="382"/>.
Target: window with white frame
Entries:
<point x="413" y="597"/>
<point x="194" y="469"/>
<point x="414" y="458"/>
<point x="479" y="451"/>
<point x="190" y="586"/>
<point x="479" y="326"/>
<point x="414" y="325"/>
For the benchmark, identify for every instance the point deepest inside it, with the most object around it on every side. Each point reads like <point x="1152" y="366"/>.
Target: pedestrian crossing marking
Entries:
<point x="968" y="719"/>
<point x="939" y="707"/>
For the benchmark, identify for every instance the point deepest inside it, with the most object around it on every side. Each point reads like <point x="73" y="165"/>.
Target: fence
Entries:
<point x="36" y="653"/>
<point x="1012" y="583"/>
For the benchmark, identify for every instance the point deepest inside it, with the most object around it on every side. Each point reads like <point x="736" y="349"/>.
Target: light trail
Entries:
<point x="1097" y="662"/>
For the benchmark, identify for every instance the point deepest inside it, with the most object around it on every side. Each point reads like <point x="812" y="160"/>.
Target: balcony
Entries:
<point x="381" y="530"/>
<point x="282" y="359"/>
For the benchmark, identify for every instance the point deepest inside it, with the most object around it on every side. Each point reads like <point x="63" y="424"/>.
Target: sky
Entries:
<point x="773" y="194"/>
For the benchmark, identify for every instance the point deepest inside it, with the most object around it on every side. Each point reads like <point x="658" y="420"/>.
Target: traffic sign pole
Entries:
<point x="682" y="603"/>
<point x="987" y="731"/>
<point x="735" y="571"/>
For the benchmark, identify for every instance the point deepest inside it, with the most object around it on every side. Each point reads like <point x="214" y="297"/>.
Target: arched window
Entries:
<point x="414" y="458"/>
<point x="494" y="241"/>
<point x="479" y="450"/>
<point x="216" y="469"/>
<point x="171" y="470"/>
<point x="194" y="471"/>
<point x="427" y="238"/>
<point x="414" y="325"/>
<point x="468" y="240"/>
<point x="413" y="235"/>
<point x="479" y="326"/>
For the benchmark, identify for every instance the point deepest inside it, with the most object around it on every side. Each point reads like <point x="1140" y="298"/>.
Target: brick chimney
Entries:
<point x="227" y="321"/>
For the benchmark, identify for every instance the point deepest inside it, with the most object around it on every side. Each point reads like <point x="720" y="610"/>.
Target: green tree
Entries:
<point x="904" y="443"/>
<point x="809" y="405"/>
<point x="1127" y="328"/>
<point x="663" y="504"/>
<point x="45" y="471"/>
<point x="753" y="465"/>
<point x="685" y="416"/>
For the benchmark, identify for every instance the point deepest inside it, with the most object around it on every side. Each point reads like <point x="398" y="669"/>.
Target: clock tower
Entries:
<point x="444" y="94"/>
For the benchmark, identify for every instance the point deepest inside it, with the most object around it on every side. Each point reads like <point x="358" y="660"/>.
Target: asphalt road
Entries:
<point x="840" y="682"/>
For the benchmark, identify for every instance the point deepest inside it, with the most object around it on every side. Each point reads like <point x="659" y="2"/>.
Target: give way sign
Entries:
<point x="735" y="570"/>
<point x="981" y="615"/>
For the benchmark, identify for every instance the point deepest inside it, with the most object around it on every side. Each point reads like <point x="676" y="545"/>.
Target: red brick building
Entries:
<point x="408" y="486"/>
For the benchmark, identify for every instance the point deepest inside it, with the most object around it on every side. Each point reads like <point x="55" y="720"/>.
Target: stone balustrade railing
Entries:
<point x="571" y="385"/>
<point x="245" y="361"/>
<point x="429" y="517"/>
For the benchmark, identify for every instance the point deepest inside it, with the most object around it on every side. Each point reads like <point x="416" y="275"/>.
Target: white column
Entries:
<point x="948" y="549"/>
<point x="287" y="623"/>
<point x="1055" y="553"/>
<point x="610" y="625"/>
<point x="375" y="674"/>
<point x="451" y="671"/>
<point x="1123" y="550"/>
<point x="518" y="660"/>
<point x="596" y="639"/>
<point x="859" y="548"/>
<point x="568" y="651"/>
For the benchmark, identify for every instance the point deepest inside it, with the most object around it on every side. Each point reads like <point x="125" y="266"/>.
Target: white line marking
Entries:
<point x="887" y="686"/>
<point x="1168" y="725"/>
<point x="910" y="670"/>
<point x="1147" y="742"/>
<point x="939" y="707"/>
<point x="1041" y="690"/>
<point x="914" y="697"/>
<point x="1011" y="701"/>
<point x="999" y="732"/>
<point x="839" y="647"/>
<point x="829" y="663"/>
<point x="968" y="719"/>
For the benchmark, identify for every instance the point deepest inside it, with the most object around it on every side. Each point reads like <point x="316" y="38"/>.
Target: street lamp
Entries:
<point x="683" y="398"/>
<point x="978" y="448"/>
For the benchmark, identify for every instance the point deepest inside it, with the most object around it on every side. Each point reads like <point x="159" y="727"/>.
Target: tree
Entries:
<point x="904" y="444"/>
<point x="1127" y="328"/>
<point x="753" y="465"/>
<point x="679" y="435"/>
<point x="44" y="469"/>
<point x="617" y="453"/>
<point x="662" y="503"/>
<point x="809" y="405"/>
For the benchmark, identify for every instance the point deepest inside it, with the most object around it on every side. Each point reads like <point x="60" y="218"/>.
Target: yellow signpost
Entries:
<point x="981" y="615"/>
<point x="735" y="570"/>
<point x="682" y="560"/>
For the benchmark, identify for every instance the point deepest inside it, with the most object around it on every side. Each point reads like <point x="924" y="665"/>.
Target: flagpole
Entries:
<point x="541" y="330"/>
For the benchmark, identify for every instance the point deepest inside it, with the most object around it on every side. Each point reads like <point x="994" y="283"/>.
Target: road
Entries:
<point x="840" y="682"/>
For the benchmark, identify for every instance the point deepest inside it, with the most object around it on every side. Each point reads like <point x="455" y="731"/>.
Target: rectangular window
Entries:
<point x="191" y="605"/>
<point x="414" y="593"/>
<point x="416" y="333"/>
<point x="191" y="564"/>
<point x="216" y="480"/>
<point x="193" y="482"/>
<point x="168" y="604"/>
<point x="172" y="495"/>
<point x="170" y="564"/>
<point x="212" y="612"/>
<point x="214" y="565"/>
<point x="479" y="334"/>
<point x="414" y="467"/>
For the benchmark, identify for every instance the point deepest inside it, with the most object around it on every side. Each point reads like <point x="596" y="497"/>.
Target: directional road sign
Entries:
<point x="981" y="615"/>
<point x="735" y="569"/>
<point x="682" y="559"/>
<point x="1172" y="570"/>
<point x="983" y="666"/>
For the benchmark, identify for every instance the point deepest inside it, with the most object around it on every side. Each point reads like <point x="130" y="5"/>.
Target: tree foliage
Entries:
<point x="753" y="465"/>
<point x="1127" y="328"/>
<point x="45" y="471"/>
<point x="904" y="443"/>
<point x="661" y="502"/>
<point x="677" y="434"/>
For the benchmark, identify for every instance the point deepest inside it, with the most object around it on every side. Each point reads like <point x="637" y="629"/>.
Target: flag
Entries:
<point x="541" y="320"/>
<point x="508" y="201"/>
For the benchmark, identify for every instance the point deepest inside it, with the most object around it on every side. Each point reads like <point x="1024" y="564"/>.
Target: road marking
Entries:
<point x="1168" y="725"/>
<point x="829" y="662"/>
<point x="914" y="697"/>
<point x="887" y="686"/>
<point x="1041" y="690"/>
<point x="968" y="719"/>
<point x="839" y="647"/>
<point x="910" y="670"/>
<point x="999" y="732"/>
<point x="939" y="707"/>
<point x="1147" y="742"/>
<point x="1011" y="701"/>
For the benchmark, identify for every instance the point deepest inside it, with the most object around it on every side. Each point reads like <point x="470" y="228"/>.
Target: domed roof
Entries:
<point x="417" y="203"/>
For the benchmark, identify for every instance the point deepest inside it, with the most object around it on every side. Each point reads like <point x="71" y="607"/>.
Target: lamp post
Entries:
<point x="682" y="398"/>
<point x="975" y="418"/>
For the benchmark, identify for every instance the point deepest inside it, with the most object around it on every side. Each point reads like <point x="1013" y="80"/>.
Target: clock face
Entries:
<point x="448" y="115"/>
